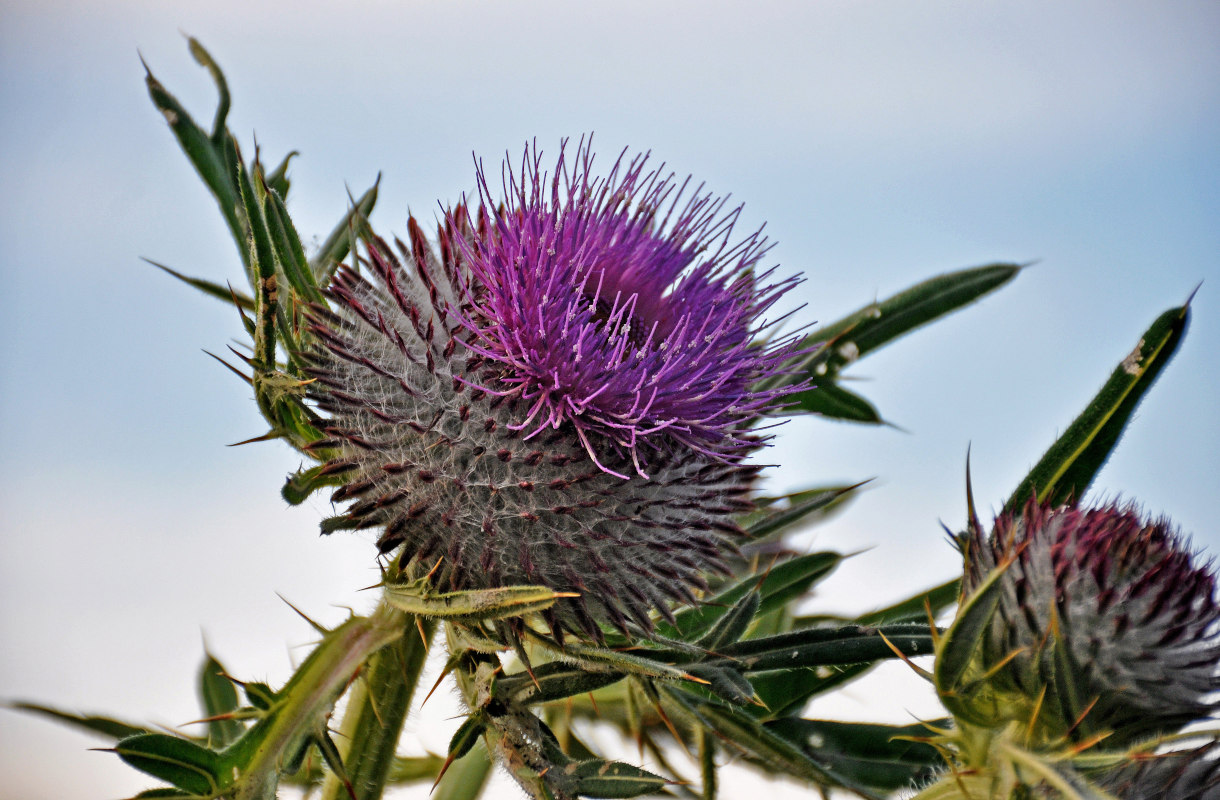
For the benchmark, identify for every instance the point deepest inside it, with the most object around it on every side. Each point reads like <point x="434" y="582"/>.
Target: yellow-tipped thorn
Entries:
<point x="918" y="670"/>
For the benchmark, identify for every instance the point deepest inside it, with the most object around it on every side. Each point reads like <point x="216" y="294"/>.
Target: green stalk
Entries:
<point x="307" y="698"/>
<point x="376" y="712"/>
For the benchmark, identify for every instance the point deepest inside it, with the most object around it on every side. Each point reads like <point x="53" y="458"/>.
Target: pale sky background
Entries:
<point x="882" y="143"/>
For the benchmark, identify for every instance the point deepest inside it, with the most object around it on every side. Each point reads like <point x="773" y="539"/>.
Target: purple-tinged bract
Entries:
<point x="562" y="393"/>
<point x="1110" y="625"/>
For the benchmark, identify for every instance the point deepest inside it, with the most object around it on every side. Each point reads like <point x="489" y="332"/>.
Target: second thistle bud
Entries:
<point x="1103" y="625"/>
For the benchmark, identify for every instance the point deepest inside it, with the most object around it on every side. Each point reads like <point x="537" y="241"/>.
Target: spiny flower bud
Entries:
<point x="1180" y="775"/>
<point x="1103" y="611"/>
<point x="563" y="395"/>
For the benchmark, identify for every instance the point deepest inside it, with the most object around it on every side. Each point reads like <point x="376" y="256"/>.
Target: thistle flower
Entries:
<point x="1111" y="626"/>
<point x="563" y="395"/>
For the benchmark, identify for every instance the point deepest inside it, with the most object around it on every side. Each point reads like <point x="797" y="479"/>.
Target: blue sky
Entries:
<point x="881" y="142"/>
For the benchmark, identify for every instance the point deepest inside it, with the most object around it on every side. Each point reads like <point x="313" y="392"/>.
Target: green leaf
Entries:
<point x="730" y="627"/>
<point x="301" y="484"/>
<point x="290" y="255"/>
<point x="225" y="293"/>
<point x="219" y="697"/>
<point x="786" y="691"/>
<point x="338" y="244"/>
<point x="955" y="652"/>
<point x="376" y="712"/>
<point x="801" y="507"/>
<point x="554" y="680"/>
<point x="739" y="731"/>
<point x="915" y="609"/>
<point x="870" y="754"/>
<point x="466" y="735"/>
<point x="878" y="324"/>
<point x="815" y="647"/>
<point x="202" y="151"/>
<point x="174" y="760"/>
<point x="609" y="779"/>
<point x="413" y="769"/>
<point x="106" y="726"/>
<point x="277" y="179"/>
<point x="780" y="585"/>
<point x="724" y="681"/>
<point x="1069" y="466"/>
<point x="466" y="777"/>
<point x="832" y="401"/>
<point x="474" y="605"/>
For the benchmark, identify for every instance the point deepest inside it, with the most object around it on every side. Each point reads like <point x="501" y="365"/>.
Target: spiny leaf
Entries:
<point x="225" y="293"/>
<point x="612" y="779"/>
<point x="879" y="756"/>
<point x="938" y="598"/>
<point x="552" y="681"/>
<point x="814" y="647"/>
<point x="780" y="585"/>
<point x="338" y="244"/>
<point x="202" y="150"/>
<point x="1069" y="466"/>
<point x="177" y="761"/>
<point x="473" y="605"/>
<point x="730" y="627"/>
<point x="106" y="726"/>
<point x="301" y="484"/>
<point x="830" y="400"/>
<point x="466" y="777"/>
<point x="878" y="324"/>
<point x="770" y="522"/>
<point x="219" y="697"/>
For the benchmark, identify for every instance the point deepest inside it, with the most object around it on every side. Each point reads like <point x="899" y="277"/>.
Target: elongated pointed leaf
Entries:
<point x="1071" y="463"/>
<point x="749" y="736"/>
<point x="878" y="324"/>
<point x="552" y="681"/>
<point x="338" y="244"/>
<point x="473" y="605"/>
<point x="802" y="508"/>
<point x="224" y="293"/>
<point x="466" y="777"/>
<point x="301" y="484"/>
<point x="613" y="779"/>
<point x="105" y="726"/>
<point x="218" y="697"/>
<point x="177" y="761"/>
<point x="832" y="401"/>
<point x="915" y="609"/>
<point x="871" y="754"/>
<point x="730" y="627"/>
<point x="786" y="691"/>
<point x="287" y="245"/>
<point x="208" y="159"/>
<point x="780" y="585"/>
<point x="816" y="647"/>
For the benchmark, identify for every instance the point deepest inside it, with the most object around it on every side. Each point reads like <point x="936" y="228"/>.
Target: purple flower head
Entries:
<point x="1105" y="612"/>
<point x="620" y="308"/>
<point x="561" y="393"/>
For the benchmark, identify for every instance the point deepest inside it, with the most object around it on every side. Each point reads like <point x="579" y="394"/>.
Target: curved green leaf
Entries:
<point x="174" y="760"/>
<point x="1069" y="466"/>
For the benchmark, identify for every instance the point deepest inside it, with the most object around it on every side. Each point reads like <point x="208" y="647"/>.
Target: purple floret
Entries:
<point x="620" y="305"/>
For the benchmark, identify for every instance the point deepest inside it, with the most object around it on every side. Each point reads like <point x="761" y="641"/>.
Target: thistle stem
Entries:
<point x="376" y="712"/>
<point x="309" y="696"/>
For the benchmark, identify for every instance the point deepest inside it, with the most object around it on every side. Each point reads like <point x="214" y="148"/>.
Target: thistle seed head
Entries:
<point x="1107" y="612"/>
<point x="561" y="393"/>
